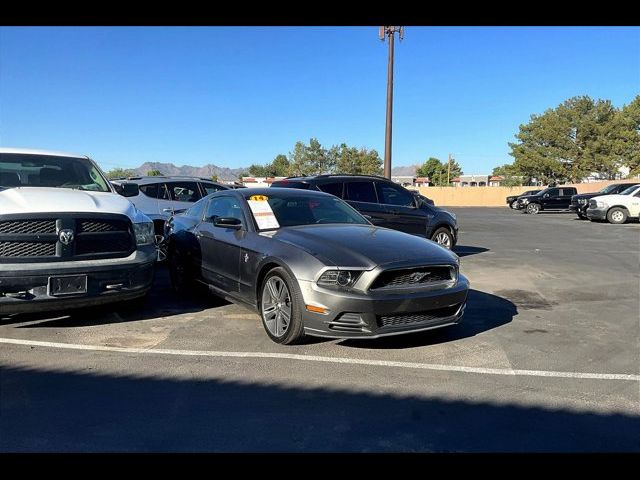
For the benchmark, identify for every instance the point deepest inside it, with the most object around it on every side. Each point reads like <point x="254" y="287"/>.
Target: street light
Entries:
<point x="390" y="32"/>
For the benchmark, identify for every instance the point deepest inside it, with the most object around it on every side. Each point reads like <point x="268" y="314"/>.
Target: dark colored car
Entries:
<point x="512" y="200"/>
<point x="385" y="204"/>
<point x="551" y="198"/>
<point x="312" y="265"/>
<point x="580" y="202"/>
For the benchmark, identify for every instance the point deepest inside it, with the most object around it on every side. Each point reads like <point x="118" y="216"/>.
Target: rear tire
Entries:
<point x="279" y="299"/>
<point x="533" y="208"/>
<point x="443" y="237"/>
<point x="617" y="215"/>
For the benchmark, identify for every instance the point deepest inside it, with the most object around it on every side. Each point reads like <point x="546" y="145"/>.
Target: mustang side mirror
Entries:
<point x="227" y="222"/>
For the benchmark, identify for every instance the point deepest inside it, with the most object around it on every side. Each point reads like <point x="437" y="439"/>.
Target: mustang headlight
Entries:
<point x="145" y="233"/>
<point x="524" y="200"/>
<point x="338" y="278"/>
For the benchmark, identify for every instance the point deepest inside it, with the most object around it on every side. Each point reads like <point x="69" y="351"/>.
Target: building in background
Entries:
<point x="471" y="181"/>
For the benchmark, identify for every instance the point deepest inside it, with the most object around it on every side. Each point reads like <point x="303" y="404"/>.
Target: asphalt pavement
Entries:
<point x="547" y="358"/>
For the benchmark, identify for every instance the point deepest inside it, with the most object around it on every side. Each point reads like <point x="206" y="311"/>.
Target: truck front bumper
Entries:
<point x="597" y="213"/>
<point x="24" y="288"/>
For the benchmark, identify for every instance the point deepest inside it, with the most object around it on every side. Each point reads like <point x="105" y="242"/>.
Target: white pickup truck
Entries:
<point x="616" y="208"/>
<point x="67" y="239"/>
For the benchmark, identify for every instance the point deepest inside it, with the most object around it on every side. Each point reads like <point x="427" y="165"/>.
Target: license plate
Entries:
<point x="68" y="285"/>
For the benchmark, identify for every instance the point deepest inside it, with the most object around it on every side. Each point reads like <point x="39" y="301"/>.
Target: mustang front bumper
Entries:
<point x="372" y="315"/>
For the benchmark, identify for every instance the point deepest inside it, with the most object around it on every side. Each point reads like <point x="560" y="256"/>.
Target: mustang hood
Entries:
<point x="364" y="245"/>
<point x="60" y="200"/>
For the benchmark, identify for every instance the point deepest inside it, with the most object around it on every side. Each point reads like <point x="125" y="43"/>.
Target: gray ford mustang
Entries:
<point x="312" y="265"/>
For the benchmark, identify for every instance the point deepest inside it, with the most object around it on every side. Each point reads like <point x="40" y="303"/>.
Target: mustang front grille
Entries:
<point x="428" y="317"/>
<point x="417" y="276"/>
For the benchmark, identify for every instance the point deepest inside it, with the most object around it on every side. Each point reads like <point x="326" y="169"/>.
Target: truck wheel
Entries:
<point x="581" y="215"/>
<point x="617" y="215"/>
<point x="533" y="208"/>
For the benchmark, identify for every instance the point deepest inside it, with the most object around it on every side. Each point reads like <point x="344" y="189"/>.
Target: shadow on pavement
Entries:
<point x="161" y="302"/>
<point x="80" y="411"/>
<point x="465" y="250"/>
<point x="484" y="312"/>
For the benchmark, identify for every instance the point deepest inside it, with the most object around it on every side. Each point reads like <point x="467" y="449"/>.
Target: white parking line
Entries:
<point x="314" y="358"/>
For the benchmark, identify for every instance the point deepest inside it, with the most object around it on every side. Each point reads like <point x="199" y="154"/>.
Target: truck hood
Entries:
<point x="614" y="199"/>
<point x="364" y="245"/>
<point x="580" y="196"/>
<point x="61" y="200"/>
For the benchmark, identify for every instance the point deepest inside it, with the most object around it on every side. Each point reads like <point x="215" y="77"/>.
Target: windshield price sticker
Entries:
<point x="259" y="198"/>
<point x="262" y="213"/>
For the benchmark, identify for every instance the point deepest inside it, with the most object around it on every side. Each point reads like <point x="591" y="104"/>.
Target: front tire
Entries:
<point x="581" y="216"/>
<point x="281" y="308"/>
<point x="442" y="236"/>
<point x="533" y="208"/>
<point x="181" y="278"/>
<point x="617" y="215"/>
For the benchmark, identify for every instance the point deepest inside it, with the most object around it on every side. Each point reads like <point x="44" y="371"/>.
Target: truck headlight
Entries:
<point x="601" y="204"/>
<point x="145" y="233"/>
<point x="338" y="278"/>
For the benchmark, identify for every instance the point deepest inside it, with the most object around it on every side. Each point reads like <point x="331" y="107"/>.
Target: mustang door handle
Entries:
<point x="167" y="210"/>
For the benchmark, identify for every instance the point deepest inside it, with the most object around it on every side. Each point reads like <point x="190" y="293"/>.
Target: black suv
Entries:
<point x="512" y="200"/>
<point x="580" y="203"/>
<point x="385" y="204"/>
<point x="551" y="198"/>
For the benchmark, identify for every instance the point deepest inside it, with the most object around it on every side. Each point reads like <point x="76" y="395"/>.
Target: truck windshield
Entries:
<point x="629" y="190"/>
<point x="29" y="170"/>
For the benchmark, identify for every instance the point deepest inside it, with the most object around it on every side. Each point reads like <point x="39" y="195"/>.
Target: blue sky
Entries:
<point x="235" y="96"/>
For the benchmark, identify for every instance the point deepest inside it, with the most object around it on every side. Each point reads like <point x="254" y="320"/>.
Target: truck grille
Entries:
<point x="28" y="226"/>
<point x="35" y="238"/>
<point x="417" y="276"/>
<point x="27" y="249"/>
<point x="428" y="317"/>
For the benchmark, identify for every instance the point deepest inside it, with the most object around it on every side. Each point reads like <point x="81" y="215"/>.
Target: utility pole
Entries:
<point x="449" y="171"/>
<point x="390" y="32"/>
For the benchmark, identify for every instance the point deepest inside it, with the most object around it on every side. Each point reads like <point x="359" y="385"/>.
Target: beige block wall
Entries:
<point x="495" y="196"/>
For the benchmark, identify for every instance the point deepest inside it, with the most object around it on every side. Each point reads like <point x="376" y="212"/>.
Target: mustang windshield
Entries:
<point x="294" y="210"/>
<point x="28" y="170"/>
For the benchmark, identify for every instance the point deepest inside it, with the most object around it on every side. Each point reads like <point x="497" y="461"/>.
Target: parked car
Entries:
<point x="67" y="239"/>
<point x="512" y="200"/>
<point x="551" y="198"/>
<point x="385" y="204"/>
<point x="159" y="197"/>
<point x="312" y="265"/>
<point x="580" y="202"/>
<point x="617" y="208"/>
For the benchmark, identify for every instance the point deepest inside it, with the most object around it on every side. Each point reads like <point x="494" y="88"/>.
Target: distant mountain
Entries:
<point x="408" y="170"/>
<point x="207" y="171"/>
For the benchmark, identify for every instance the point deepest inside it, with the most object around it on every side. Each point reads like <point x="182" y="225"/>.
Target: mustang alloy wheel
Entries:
<point x="280" y="306"/>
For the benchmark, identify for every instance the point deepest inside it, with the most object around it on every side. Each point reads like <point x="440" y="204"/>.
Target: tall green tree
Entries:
<point x="354" y="161"/>
<point x="569" y="142"/>
<point x="627" y="139"/>
<point x="438" y="171"/>
<point x="121" y="173"/>
<point x="312" y="159"/>
<point x="154" y="173"/>
<point x="510" y="176"/>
